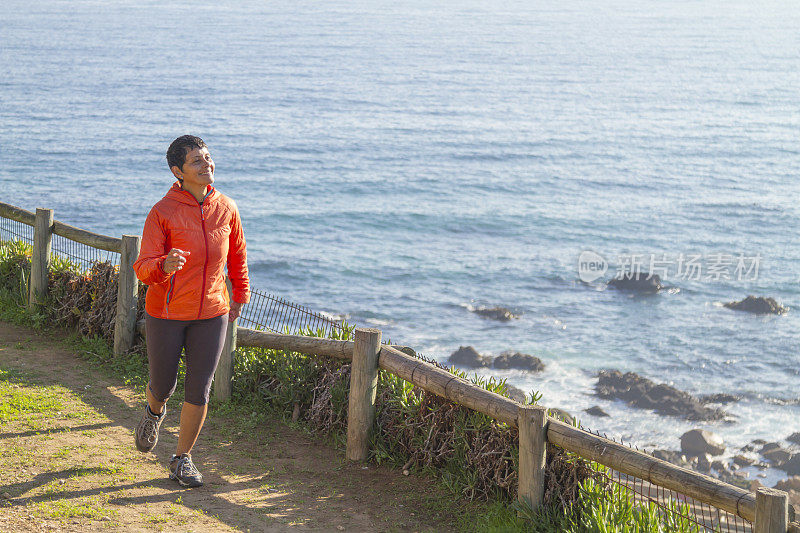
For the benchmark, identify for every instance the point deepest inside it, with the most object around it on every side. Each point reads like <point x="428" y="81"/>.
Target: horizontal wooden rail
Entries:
<point x="635" y="463"/>
<point x="587" y="445"/>
<point x="17" y="213"/>
<point x="95" y="240"/>
<point x="445" y="384"/>
<point x="295" y="343"/>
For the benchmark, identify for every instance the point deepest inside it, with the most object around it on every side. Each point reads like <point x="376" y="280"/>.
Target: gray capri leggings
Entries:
<point x="203" y="340"/>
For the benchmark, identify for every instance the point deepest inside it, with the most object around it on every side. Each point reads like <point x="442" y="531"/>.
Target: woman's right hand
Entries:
<point x="174" y="261"/>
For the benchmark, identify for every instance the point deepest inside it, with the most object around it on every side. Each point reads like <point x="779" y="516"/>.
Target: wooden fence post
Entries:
<point x="532" y="454"/>
<point x="223" y="377"/>
<point x="363" y="385"/>
<point x="772" y="511"/>
<point x="127" y="295"/>
<point x="40" y="260"/>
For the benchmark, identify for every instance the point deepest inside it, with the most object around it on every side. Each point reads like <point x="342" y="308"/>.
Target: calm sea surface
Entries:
<point x="399" y="163"/>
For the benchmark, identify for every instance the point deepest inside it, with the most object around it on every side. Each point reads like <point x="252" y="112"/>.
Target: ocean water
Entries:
<point x="400" y="163"/>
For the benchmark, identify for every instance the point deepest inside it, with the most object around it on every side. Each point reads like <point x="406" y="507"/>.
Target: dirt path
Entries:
<point x="67" y="462"/>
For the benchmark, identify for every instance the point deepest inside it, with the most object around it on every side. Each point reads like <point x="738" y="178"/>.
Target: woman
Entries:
<point x="188" y="238"/>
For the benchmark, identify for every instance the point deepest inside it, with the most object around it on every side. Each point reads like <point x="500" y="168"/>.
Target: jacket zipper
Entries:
<point x="169" y="293"/>
<point x="205" y="264"/>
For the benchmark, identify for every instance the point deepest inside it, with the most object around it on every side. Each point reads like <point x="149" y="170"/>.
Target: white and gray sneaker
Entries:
<point x="147" y="429"/>
<point x="182" y="470"/>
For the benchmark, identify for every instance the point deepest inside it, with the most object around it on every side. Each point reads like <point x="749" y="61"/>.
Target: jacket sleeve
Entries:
<point x="153" y="251"/>
<point x="237" y="260"/>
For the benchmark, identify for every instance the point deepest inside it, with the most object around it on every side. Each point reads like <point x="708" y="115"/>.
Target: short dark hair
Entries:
<point x="176" y="153"/>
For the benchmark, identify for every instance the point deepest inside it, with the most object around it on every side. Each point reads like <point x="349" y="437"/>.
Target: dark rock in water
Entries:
<point x="777" y="457"/>
<point x="595" y="410"/>
<point x="655" y="396"/>
<point x="518" y="360"/>
<point x="758" y="305"/>
<point x="645" y="394"/>
<point x="561" y="414"/>
<point x="792" y="466"/>
<point x="742" y="460"/>
<point x="699" y="441"/>
<point x="794" y="437"/>
<point x="495" y="313"/>
<point x="516" y="394"/>
<point x="719" y="398"/>
<point x="768" y="447"/>
<point x="467" y="356"/>
<point x="638" y="282"/>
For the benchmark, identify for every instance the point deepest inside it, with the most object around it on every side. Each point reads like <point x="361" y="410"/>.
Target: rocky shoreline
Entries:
<point x="469" y="357"/>
<point x="700" y="450"/>
<point x="643" y="393"/>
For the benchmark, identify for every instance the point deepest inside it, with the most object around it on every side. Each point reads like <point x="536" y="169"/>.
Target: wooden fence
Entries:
<point x="767" y="509"/>
<point x="45" y="226"/>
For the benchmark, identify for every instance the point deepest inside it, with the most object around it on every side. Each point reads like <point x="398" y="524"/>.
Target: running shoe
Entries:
<point x="182" y="470"/>
<point x="147" y="429"/>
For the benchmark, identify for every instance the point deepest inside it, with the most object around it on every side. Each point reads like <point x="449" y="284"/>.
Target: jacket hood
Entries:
<point x="177" y="193"/>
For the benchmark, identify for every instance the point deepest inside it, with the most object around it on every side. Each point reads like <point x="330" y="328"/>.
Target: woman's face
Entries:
<point x="198" y="169"/>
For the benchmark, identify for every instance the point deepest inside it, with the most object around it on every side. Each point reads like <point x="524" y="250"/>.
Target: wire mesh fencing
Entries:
<point x="79" y="254"/>
<point x="678" y="511"/>
<point x="676" y="508"/>
<point x="11" y="230"/>
<point x="269" y="312"/>
<point x="82" y="255"/>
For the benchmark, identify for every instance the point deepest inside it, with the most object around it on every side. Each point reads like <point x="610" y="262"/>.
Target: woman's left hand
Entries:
<point x="236" y="307"/>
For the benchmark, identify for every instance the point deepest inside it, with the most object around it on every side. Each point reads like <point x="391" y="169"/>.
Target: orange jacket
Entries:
<point x="212" y="231"/>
